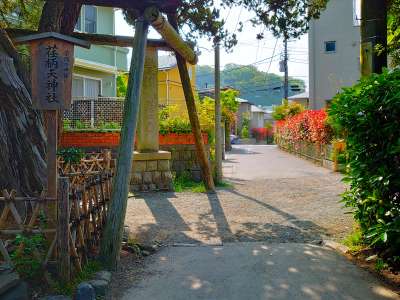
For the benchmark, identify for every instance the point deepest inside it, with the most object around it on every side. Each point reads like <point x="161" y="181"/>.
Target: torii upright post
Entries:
<point x="111" y="244"/>
<point x="182" y="52"/>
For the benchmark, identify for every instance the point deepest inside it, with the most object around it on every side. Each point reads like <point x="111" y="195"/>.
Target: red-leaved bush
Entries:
<point x="309" y="125"/>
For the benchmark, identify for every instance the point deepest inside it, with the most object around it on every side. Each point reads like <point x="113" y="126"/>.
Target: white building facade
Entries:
<point x="334" y="51"/>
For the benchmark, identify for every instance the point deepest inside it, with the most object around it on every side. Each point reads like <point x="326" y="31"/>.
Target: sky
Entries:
<point x="249" y="50"/>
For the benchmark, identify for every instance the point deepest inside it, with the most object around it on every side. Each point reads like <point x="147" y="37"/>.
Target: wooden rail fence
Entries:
<point x="73" y="236"/>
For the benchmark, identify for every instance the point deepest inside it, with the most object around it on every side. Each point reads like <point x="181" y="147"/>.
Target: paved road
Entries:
<point x="255" y="271"/>
<point x="279" y="203"/>
<point x="257" y="162"/>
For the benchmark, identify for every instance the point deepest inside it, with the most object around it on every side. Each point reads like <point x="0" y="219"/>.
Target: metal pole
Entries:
<point x="111" y="244"/>
<point x="286" y="57"/>
<point x="218" y="139"/>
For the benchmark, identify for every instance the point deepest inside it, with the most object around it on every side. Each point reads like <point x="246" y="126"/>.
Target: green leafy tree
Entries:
<point x="286" y="109"/>
<point x="229" y="105"/>
<point x="20" y="13"/>
<point x="367" y="116"/>
<point x="254" y="85"/>
<point x="122" y="85"/>
<point x="285" y="18"/>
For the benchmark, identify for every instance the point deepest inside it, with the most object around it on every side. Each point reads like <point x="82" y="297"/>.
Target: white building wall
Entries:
<point x="329" y="72"/>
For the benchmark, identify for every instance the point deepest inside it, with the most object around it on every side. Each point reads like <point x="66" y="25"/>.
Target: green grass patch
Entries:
<point x="87" y="273"/>
<point x="185" y="183"/>
<point x="354" y="240"/>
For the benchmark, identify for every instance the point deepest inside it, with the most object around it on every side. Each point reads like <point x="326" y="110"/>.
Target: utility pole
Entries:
<point x="285" y="62"/>
<point x="373" y="33"/>
<point x="218" y="133"/>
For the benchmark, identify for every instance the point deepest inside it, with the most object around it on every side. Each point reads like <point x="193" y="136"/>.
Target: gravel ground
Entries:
<point x="276" y="197"/>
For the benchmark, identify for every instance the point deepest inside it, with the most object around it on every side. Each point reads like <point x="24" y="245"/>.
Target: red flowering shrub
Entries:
<point x="309" y="125"/>
<point x="261" y="134"/>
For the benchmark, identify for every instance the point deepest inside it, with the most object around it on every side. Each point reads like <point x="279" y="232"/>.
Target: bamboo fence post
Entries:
<point x="63" y="235"/>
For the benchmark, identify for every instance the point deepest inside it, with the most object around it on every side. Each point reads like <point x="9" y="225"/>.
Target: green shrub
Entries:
<point x="108" y="125"/>
<point x="27" y="264"/>
<point x="286" y="109"/>
<point x="67" y="124"/>
<point x="245" y="132"/>
<point x="368" y="117"/>
<point x="71" y="155"/>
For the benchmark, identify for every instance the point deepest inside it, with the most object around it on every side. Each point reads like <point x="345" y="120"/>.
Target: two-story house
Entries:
<point x="96" y="70"/>
<point x="334" y="51"/>
<point x="170" y="91"/>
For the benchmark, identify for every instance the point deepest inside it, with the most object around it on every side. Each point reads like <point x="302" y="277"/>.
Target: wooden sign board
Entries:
<point x="52" y="63"/>
<point x="52" y="56"/>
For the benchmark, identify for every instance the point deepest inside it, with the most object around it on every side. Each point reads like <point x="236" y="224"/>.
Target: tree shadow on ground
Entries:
<point x="212" y="225"/>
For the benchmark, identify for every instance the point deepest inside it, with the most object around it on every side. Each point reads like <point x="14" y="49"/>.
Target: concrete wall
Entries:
<point x="329" y="72"/>
<point x="257" y="120"/>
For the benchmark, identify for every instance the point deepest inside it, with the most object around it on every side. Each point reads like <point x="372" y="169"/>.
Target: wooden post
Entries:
<point x="63" y="245"/>
<point x="51" y="117"/>
<point x="194" y="120"/>
<point x="170" y="34"/>
<point x="111" y="244"/>
<point x="218" y="132"/>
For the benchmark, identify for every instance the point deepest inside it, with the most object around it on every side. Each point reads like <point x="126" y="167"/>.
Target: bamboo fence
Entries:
<point x="72" y="234"/>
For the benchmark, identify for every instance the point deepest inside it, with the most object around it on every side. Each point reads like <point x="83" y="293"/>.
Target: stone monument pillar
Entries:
<point x="151" y="167"/>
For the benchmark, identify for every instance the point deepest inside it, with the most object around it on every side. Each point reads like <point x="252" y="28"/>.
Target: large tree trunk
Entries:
<point x="22" y="166"/>
<point x="22" y="159"/>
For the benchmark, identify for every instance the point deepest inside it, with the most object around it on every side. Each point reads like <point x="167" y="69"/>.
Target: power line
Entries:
<point x="243" y="66"/>
<point x="270" y="63"/>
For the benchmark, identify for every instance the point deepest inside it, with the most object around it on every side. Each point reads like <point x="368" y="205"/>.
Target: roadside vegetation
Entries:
<point x="367" y="117"/>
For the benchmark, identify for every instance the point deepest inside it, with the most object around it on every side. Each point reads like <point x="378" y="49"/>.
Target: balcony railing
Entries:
<point x="102" y="113"/>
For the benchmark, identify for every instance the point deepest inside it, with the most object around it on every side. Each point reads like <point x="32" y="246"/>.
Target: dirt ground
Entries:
<point x="275" y="197"/>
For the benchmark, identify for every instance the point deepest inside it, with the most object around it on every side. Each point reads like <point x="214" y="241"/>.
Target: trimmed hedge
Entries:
<point x="310" y="126"/>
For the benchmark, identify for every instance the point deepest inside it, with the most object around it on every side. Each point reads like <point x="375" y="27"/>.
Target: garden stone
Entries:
<point x="103" y="275"/>
<point x="100" y="286"/>
<point x="85" y="291"/>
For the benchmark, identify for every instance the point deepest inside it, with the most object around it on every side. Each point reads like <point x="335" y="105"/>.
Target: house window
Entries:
<point x="356" y="12"/>
<point x="77" y="87"/>
<point x="86" y="87"/>
<point x="330" y="47"/>
<point x="90" y="19"/>
<point x="78" y="25"/>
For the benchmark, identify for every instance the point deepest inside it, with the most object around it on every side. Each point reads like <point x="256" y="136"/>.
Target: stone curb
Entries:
<point x="336" y="246"/>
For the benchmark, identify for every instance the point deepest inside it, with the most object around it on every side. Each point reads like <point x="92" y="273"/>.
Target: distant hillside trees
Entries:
<point x="254" y="85"/>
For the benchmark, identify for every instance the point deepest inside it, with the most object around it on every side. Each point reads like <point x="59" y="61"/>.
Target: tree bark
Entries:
<point x="228" y="145"/>
<point x="22" y="164"/>
<point x="22" y="159"/>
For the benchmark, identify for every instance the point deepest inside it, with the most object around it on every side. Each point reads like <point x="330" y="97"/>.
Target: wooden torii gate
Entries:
<point x="150" y="12"/>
